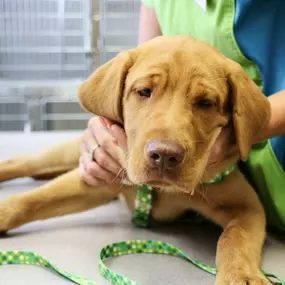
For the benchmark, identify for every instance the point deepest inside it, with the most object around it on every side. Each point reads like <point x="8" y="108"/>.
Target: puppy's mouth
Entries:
<point x="156" y="178"/>
<point x="157" y="184"/>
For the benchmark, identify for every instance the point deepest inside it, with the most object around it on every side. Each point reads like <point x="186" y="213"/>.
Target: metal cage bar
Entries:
<point x="45" y="39"/>
<point x="54" y="40"/>
<point x="118" y="27"/>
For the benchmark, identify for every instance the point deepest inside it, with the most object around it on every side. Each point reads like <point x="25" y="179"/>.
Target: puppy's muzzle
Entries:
<point x="164" y="155"/>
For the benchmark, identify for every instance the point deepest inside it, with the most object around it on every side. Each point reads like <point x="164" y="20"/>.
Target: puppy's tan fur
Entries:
<point x="181" y="72"/>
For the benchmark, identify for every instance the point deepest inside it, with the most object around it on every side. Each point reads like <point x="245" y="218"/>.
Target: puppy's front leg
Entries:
<point x="48" y="164"/>
<point x="235" y="206"/>
<point x="239" y="250"/>
<point x="64" y="195"/>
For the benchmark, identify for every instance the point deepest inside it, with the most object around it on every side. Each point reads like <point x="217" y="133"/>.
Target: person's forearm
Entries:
<point x="276" y="125"/>
<point x="149" y="27"/>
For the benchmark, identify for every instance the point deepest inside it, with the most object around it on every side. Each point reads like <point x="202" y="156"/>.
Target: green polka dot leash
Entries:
<point x="112" y="250"/>
<point x="140" y="218"/>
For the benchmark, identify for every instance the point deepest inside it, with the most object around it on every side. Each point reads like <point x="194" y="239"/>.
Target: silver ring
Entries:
<point x="93" y="152"/>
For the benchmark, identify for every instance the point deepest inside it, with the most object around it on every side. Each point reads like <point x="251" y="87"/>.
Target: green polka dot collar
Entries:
<point x="143" y="203"/>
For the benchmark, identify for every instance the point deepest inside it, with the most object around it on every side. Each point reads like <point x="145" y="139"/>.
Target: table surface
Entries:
<point x="73" y="242"/>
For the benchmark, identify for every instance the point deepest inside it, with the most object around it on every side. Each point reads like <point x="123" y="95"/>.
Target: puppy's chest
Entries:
<point x="162" y="206"/>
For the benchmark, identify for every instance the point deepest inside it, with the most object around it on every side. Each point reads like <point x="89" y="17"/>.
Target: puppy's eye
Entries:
<point x="204" y="104"/>
<point x="146" y="92"/>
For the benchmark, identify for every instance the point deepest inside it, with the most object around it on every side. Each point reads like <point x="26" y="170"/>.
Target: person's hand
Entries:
<point x="224" y="145"/>
<point x="100" y="150"/>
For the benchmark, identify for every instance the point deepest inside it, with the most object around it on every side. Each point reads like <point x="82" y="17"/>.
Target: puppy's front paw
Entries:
<point x="240" y="278"/>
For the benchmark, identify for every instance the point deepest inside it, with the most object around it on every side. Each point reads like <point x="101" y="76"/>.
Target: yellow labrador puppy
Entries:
<point x="173" y="95"/>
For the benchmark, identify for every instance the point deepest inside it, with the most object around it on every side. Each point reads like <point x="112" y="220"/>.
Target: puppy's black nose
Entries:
<point x="164" y="154"/>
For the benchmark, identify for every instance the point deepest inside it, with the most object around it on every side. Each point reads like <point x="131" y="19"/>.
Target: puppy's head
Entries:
<point x="173" y="95"/>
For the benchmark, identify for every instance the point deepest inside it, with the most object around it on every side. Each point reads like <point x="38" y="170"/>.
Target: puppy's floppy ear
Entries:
<point x="250" y="107"/>
<point x="101" y="93"/>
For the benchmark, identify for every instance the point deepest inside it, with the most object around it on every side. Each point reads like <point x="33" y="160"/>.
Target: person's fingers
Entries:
<point x="106" y="161"/>
<point x="101" y="153"/>
<point x="106" y="140"/>
<point x="87" y="178"/>
<point x="106" y="164"/>
<point x="83" y="151"/>
<point x="97" y="171"/>
<point x="117" y="131"/>
<point x="105" y="122"/>
<point x="114" y="151"/>
<point x="89" y="141"/>
<point x="120" y="135"/>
